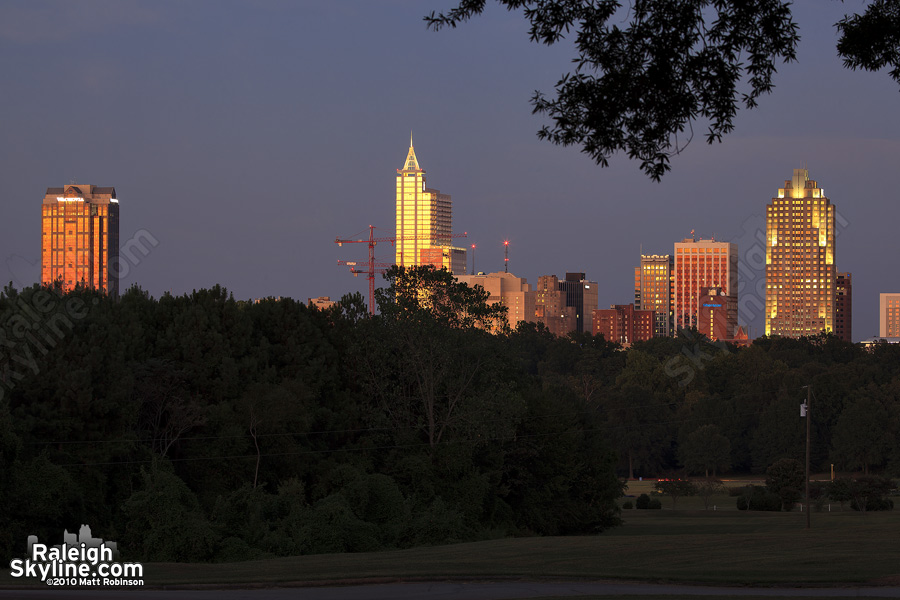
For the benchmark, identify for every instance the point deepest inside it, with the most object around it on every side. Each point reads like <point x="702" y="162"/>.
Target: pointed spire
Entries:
<point x="412" y="164"/>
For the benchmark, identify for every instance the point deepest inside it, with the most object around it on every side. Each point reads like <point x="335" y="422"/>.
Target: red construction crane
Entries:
<point x="373" y="267"/>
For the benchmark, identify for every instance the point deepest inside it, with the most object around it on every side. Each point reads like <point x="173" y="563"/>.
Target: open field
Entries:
<point x="732" y="547"/>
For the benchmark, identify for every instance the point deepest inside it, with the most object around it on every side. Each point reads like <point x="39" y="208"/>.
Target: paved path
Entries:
<point x="450" y="591"/>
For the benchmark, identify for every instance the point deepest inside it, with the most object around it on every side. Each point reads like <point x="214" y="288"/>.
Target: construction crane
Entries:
<point x="371" y="267"/>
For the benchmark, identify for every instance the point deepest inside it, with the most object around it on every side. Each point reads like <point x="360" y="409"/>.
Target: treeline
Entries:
<point x="201" y="427"/>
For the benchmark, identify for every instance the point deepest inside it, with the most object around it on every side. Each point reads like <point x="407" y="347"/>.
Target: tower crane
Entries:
<point x="371" y="267"/>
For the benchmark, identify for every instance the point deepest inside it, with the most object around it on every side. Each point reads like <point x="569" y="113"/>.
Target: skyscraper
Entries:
<point x="584" y="296"/>
<point x="701" y="264"/>
<point x="653" y="291"/>
<point x="800" y="259"/>
<point x="80" y="237"/>
<point x="424" y="221"/>
<point x="550" y="306"/>
<point x="889" y="315"/>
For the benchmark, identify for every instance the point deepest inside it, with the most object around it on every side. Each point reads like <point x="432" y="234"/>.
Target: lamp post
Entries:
<point x="804" y="412"/>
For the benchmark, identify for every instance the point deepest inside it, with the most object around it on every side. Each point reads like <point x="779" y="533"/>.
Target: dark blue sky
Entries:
<point x="246" y="136"/>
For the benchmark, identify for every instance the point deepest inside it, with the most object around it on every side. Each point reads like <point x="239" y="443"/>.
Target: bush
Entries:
<point x="875" y="503"/>
<point x="643" y="501"/>
<point x="654" y="504"/>
<point x="627" y="505"/>
<point x="758" y="498"/>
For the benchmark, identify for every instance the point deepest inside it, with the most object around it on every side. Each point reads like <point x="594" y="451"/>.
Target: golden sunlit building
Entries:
<point x="80" y="237"/>
<point x="800" y="260"/>
<point x="653" y="291"/>
<point x="424" y="222"/>
<point x="699" y="265"/>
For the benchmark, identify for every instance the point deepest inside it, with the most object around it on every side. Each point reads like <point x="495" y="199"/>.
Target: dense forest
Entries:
<point x="202" y="427"/>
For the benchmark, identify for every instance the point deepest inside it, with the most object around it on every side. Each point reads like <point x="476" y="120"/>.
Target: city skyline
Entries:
<point x="246" y="155"/>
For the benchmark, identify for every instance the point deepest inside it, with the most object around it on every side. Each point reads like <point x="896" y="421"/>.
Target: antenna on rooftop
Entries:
<point x="506" y="256"/>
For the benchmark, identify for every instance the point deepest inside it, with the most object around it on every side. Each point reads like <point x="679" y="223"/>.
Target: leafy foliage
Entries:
<point x="640" y="88"/>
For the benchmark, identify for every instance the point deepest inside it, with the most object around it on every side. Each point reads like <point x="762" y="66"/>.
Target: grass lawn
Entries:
<point x="722" y="547"/>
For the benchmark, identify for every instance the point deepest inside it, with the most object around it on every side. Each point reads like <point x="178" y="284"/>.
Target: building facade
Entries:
<point x="584" y="296"/>
<point x="889" y="316"/>
<point x="424" y="221"/>
<point x="513" y="292"/>
<point x="624" y="324"/>
<point x="800" y="260"/>
<point x="653" y="291"/>
<point x="80" y="237"/>
<point x="701" y="264"/>
<point x="550" y="307"/>
<point x="718" y="314"/>
<point x="843" y="306"/>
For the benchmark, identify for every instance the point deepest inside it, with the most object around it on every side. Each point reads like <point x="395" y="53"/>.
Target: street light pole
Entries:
<point x="808" y="419"/>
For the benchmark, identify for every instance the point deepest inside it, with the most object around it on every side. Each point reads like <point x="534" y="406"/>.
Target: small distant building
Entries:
<point x="624" y="324"/>
<point x="513" y="292"/>
<point x="889" y="316"/>
<point x="550" y="307"/>
<point x="322" y="302"/>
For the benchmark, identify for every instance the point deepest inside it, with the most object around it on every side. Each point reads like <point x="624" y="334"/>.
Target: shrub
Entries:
<point x="875" y="503"/>
<point x="627" y="505"/>
<point x="654" y="504"/>
<point x="758" y="498"/>
<point x="643" y="501"/>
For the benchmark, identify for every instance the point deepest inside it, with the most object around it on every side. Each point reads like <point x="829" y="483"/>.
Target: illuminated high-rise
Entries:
<point x="699" y="265"/>
<point x="653" y="291"/>
<point x="800" y="260"/>
<point x="80" y="237"/>
<point x="424" y="221"/>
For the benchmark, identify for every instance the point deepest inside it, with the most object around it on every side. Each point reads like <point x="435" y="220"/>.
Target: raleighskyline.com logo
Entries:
<point x="80" y="560"/>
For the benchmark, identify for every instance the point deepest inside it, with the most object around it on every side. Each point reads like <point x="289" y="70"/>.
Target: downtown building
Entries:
<point x="80" y="238"/>
<point x="512" y="292"/>
<point x="584" y="296"/>
<point x="801" y="274"/>
<point x="698" y="266"/>
<point x="550" y="307"/>
<point x="625" y="324"/>
<point x="653" y="291"/>
<point x="424" y="222"/>
<point x="889" y="316"/>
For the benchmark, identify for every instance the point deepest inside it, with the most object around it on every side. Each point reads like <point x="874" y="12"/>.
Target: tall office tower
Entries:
<point x="513" y="292"/>
<point x="424" y="222"/>
<point x="550" y="306"/>
<point x="653" y="291"/>
<point x="843" y="306"/>
<point x="584" y="296"/>
<point x="702" y="264"/>
<point x="800" y="260"/>
<point x="624" y="324"/>
<point x="889" y="316"/>
<point x="80" y="237"/>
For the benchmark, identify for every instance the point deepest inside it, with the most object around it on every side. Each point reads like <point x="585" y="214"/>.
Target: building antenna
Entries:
<point x="506" y="256"/>
<point x="473" y="259"/>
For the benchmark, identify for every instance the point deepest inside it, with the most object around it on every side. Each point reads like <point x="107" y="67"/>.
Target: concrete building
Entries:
<point x="322" y="302"/>
<point x="889" y="316"/>
<point x="424" y="222"/>
<point x="584" y="296"/>
<point x="843" y="306"/>
<point x="800" y="260"/>
<point x="653" y="291"/>
<point x="550" y="307"/>
<point x="698" y="265"/>
<point x="80" y="237"/>
<point x="624" y="324"/>
<point x="513" y="292"/>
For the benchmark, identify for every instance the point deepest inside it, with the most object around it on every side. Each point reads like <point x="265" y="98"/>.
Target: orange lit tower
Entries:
<point x="80" y="237"/>
<point x="701" y="264"/>
<point x="424" y="221"/>
<point x="800" y="260"/>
